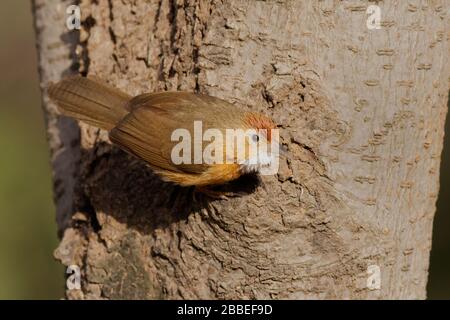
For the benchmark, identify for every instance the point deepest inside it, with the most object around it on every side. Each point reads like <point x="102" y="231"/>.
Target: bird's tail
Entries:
<point x="90" y="101"/>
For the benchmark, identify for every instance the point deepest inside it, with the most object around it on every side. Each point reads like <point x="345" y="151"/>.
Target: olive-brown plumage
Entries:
<point x="143" y="125"/>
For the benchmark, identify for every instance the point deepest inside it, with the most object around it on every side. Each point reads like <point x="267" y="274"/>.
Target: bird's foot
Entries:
<point x="217" y="194"/>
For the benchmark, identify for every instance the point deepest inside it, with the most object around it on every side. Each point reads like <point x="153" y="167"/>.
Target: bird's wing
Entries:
<point x="178" y="99"/>
<point x="147" y="130"/>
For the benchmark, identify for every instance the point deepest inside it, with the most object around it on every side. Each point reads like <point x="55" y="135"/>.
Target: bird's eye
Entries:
<point x="255" y="138"/>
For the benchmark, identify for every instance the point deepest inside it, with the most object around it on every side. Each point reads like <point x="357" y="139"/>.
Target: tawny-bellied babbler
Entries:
<point x="143" y="126"/>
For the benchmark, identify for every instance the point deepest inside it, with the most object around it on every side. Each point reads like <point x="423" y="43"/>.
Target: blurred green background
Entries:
<point x="27" y="227"/>
<point x="27" y="214"/>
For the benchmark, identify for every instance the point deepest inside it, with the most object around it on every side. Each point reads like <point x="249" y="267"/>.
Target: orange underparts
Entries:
<point x="216" y="174"/>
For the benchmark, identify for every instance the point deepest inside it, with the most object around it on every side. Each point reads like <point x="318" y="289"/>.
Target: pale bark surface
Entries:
<point x="361" y="110"/>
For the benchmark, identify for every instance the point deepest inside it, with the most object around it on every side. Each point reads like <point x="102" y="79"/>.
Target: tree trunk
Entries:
<point x="362" y="111"/>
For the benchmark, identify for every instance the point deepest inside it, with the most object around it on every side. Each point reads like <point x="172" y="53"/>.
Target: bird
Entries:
<point x="144" y="126"/>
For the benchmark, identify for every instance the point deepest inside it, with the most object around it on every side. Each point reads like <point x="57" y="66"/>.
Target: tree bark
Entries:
<point x="362" y="111"/>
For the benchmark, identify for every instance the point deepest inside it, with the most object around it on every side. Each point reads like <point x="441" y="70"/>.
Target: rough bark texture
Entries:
<point x="361" y="110"/>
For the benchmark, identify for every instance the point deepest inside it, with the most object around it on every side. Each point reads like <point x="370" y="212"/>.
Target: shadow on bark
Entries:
<point x="125" y="188"/>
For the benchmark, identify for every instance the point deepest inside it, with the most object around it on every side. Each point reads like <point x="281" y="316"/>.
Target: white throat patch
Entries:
<point x="256" y="164"/>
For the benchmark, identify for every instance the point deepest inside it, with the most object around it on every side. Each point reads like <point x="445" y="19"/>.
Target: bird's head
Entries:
<point x="262" y="146"/>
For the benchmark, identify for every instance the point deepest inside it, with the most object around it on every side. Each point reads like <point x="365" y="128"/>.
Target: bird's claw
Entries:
<point x="216" y="194"/>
